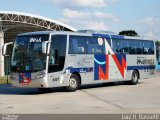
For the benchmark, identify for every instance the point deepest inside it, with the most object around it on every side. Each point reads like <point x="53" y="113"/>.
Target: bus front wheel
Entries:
<point x="74" y="83"/>
<point x="134" y="78"/>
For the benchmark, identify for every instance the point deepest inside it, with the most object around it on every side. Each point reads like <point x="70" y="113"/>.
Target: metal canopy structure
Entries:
<point x="13" y="23"/>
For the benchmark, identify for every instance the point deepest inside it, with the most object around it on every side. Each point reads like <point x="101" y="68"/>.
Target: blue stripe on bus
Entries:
<point x="141" y="67"/>
<point x="101" y="35"/>
<point x="117" y="37"/>
<point x="108" y="36"/>
<point x="90" y="69"/>
<point x="80" y="70"/>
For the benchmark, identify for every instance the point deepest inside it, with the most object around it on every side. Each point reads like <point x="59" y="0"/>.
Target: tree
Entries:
<point x="129" y="33"/>
<point x="157" y="44"/>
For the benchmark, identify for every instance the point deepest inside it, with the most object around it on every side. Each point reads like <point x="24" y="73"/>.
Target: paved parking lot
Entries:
<point x="118" y="98"/>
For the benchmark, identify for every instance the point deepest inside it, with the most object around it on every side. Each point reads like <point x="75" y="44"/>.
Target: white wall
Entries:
<point x="1" y="56"/>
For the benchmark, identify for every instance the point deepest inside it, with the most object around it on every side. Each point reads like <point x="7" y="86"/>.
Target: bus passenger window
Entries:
<point x="114" y="44"/>
<point x="148" y="47"/>
<point x="77" y="45"/>
<point x="136" y="47"/>
<point x="95" y="46"/>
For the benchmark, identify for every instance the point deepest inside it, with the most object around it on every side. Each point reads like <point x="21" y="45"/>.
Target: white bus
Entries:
<point x="54" y="59"/>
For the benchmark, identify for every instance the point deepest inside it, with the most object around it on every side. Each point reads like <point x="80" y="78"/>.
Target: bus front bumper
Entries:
<point x="36" y="83"/>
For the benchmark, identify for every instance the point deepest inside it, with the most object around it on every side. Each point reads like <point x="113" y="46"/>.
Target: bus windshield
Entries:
<point x="27" y="54"/>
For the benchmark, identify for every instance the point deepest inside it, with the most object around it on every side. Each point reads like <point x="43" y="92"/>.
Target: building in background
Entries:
<point x="13" y="23"/>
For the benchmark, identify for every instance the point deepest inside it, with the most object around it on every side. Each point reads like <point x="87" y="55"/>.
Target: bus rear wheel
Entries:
<point x="134" y="78"/>
<point x="74" y="83"/>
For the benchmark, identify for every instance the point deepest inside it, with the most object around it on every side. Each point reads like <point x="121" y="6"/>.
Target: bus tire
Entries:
<point x="134" y="78"/>
<point x="74" y="83"/>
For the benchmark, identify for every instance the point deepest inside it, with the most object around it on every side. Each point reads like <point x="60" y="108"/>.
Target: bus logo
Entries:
<point x="35" y="39"/>
<point x="24" y="78"/>
<point x="101" y="65"/>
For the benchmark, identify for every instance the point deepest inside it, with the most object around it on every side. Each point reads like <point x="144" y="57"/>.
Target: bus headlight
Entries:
<point x="40" y="76"/>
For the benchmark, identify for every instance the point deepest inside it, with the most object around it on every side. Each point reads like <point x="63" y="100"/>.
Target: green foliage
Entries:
<point x="157" y="43"/>
<point x="129" y="33"/>
<point x="5" y="80"/>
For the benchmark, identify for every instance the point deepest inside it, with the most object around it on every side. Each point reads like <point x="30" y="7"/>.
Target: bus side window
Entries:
<point x="128" y="46"/>
<point x="151" y="49"/>
<point x="121" y="46"/>
<point x="148" y="47"/>
<point x="136" y="47"/>
<point x="139" y="47"/>
<point x="114" y="45"/>
<point x="77" y="45"/>
<point x="90" y="49"/>
<point x="145" y="47"/>
<point x="95" y="46"/>
<point x="124" y="46"/>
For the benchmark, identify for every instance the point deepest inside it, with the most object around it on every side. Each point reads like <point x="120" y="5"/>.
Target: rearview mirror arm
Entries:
<point x="5" y="48"/>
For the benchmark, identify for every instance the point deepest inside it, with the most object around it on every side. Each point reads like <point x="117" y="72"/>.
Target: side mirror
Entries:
<point x="4" y="49"/>
<point x="44" y="47"/>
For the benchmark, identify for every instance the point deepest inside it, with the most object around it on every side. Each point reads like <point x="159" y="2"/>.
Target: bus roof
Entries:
<point x="109" y="35"/>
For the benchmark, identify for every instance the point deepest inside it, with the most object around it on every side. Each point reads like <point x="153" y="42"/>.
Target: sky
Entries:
<point x="143" y="16"/>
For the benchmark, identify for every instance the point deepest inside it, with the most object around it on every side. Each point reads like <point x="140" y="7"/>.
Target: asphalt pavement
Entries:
<point x="94" y="99"/>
